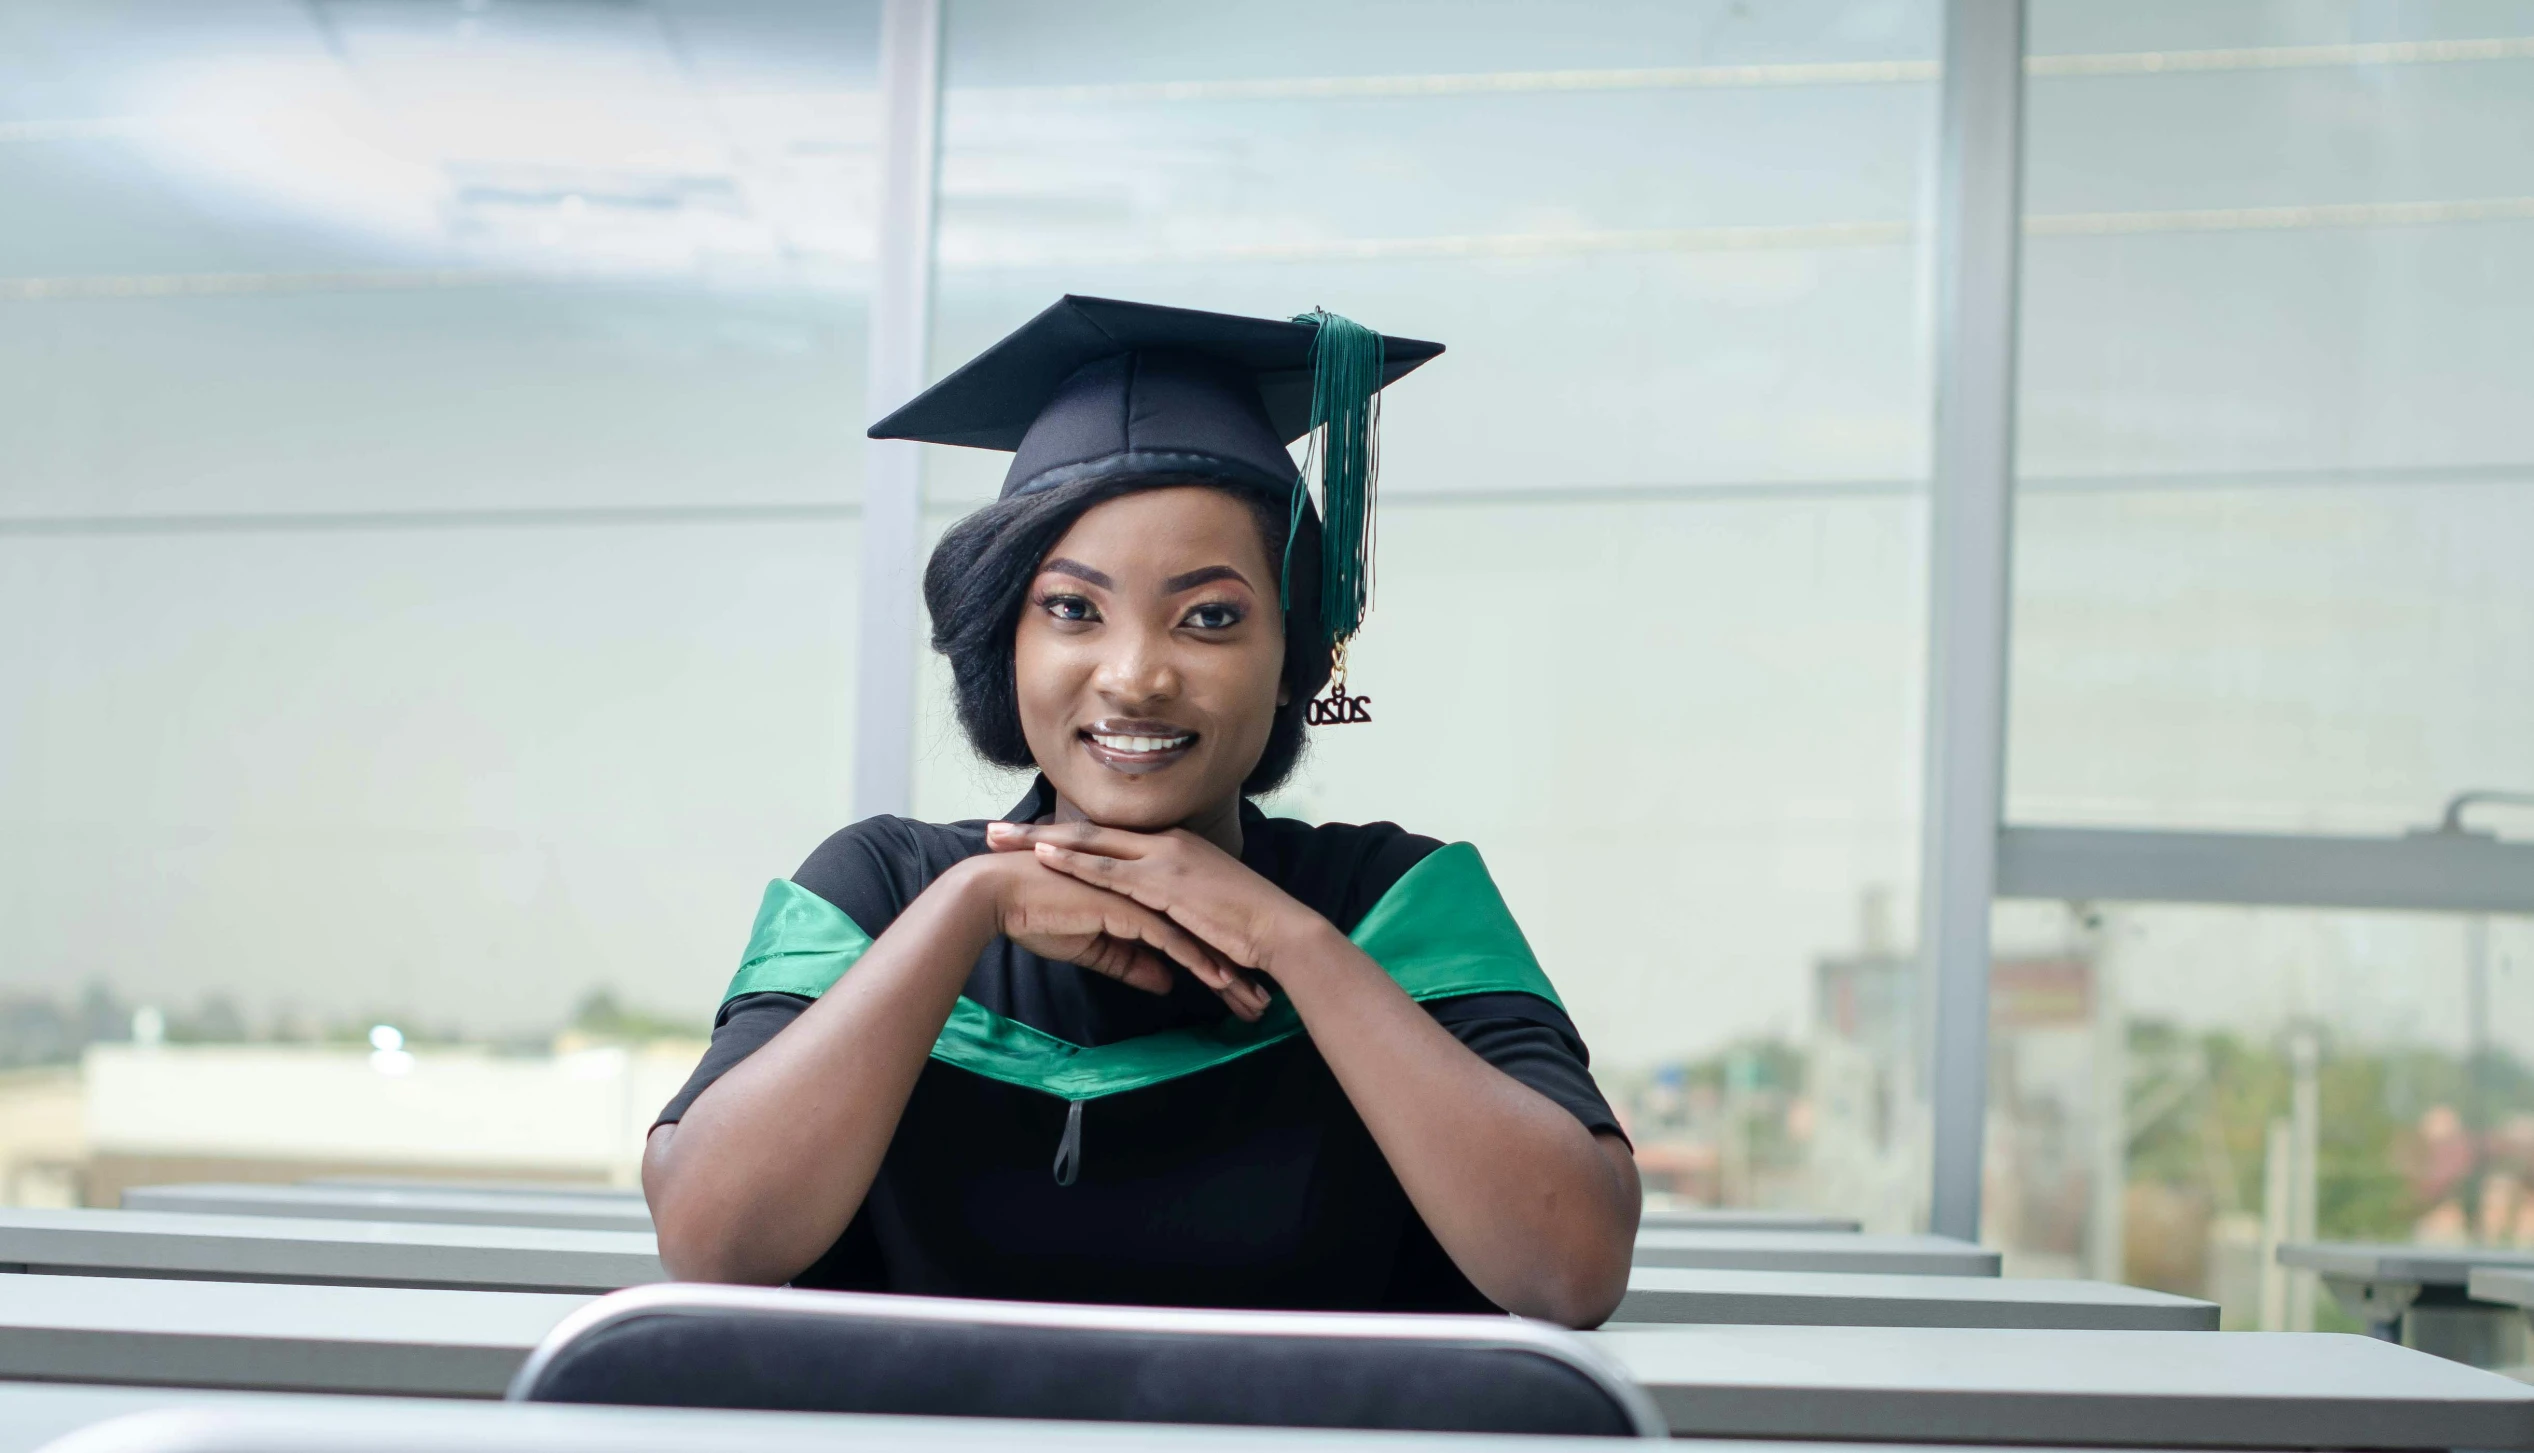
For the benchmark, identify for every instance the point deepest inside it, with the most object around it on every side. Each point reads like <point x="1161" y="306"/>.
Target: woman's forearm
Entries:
<point x="774" y="1158"/>
<point x="1537" y="1211"/>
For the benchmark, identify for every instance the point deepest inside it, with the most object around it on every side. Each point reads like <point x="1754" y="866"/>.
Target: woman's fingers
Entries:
<point x="1244" y="1008"/>
<point x="1118" y="875"/>
<point x="1087" y="837"/>
<point x="1132" y="920"/>
<point x="1128" y="962"/>
<point x="1248" y="997"/>
<point x="1131" y="936"/>
<point x="1143" y="937"/>
<point x="1137" y="966"/>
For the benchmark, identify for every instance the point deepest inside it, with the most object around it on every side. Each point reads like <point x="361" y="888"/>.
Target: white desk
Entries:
<point x="2420" y="1296"/>
<point x="169" y="1421"/>
<point x="2141" y="1389"/>
<point x="2502" y="1286"/>
<point x="354" y="1253"/>
<point x="489" y="1188"/>
<point x="1811" y="1251"/>
<point x="246" y="1334"/>
<point x="1846" y="1299"/>
<point x="1943" y="1386"/>
<point x="2508" y="1287"/>
<point x="1722" y="1219"/>
<point x="390" y="1203"/>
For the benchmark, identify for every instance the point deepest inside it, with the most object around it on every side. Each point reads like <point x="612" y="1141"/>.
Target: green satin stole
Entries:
<point x="1441" y="931"/>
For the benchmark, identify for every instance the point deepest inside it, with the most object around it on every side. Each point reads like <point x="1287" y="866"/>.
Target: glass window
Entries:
<point x="2175" y="1089"/>
<point x="2277" y="475"/>
<point x="2275" y="496"/>
<point x="434" y="442"/>
<point x="1650" y="603"/>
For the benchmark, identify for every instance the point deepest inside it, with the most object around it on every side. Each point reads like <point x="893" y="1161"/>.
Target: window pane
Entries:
<point x="2158" y="1072"/>
<point x="1650" y="594"/>
<point x="2277" y="477"/>
<point x="434" y="440"/>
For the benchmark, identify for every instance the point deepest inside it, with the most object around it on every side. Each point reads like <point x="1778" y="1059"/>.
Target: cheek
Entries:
<point x="1042" y="679"/>
<point x="1255" y="680"/>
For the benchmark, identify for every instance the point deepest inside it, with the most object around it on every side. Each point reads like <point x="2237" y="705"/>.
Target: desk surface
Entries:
<point x="249" y="1423"/>
<point x="246" y="1334"/>
<point x="481" y="1187"/>
<point x="391" y="1203"/>
<point x="201" y="1422"/>
<point x="2508" y="1286"/>
<point x="1721" y="1219"/>
<point x="2436" y="1266"/>
<point x="1659" y="1294"/>
<point x="1811" y="1251"/>
<point x="289" y="1249"/>
<point x="1947" y="1386"/>
<point x="2145" y="1389"/>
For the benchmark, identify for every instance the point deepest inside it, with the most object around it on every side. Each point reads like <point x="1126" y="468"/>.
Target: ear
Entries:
<point x="1284" y="696"/>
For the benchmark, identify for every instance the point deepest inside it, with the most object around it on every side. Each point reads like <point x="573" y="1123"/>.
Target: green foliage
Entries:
<point x="2218" y="1094"/>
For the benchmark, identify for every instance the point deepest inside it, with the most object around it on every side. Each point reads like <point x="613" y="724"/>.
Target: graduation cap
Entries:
<point x="1094" y="388"/>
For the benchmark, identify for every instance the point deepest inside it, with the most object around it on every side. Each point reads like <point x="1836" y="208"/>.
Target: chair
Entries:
<point x="854" y="1352"/>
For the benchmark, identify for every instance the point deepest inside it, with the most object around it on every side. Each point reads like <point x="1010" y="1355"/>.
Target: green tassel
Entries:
<point x="1346" y="365"/>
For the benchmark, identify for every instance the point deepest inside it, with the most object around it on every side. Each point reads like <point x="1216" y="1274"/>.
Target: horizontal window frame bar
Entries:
<point x="2421" y="872"/>
<point x="1725" y="492"/>
<point x="1834" y="236"/>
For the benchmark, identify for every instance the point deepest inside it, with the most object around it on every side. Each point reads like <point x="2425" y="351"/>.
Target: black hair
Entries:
<point x="978" y="579"/>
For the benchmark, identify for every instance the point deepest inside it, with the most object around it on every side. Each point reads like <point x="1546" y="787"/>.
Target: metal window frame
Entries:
<point x="2421" y="872"/>
<point x="1978" y="230"/>
<point x="901" y="321"/>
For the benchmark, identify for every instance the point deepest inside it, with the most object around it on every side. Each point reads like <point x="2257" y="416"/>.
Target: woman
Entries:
<point x="1137" y="1042"/>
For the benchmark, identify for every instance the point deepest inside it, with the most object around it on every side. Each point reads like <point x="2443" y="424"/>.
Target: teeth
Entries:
<point x="1141" y="744"/>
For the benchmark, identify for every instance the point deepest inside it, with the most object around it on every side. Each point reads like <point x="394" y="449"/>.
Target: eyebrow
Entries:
<point x="1207" y="576"/>
<point x="1079" y="571"/>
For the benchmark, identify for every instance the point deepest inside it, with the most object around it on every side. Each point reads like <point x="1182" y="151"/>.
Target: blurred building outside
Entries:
<point x="134" y="1108"/>
<point x="2224" y="1145"/>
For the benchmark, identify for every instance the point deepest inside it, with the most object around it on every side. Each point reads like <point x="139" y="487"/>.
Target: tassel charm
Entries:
<point x="1337" y="708"/>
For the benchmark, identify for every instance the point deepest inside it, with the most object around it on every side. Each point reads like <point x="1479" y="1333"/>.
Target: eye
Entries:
<point x="1068" y="607"/>
<point x="1215" y="615"/>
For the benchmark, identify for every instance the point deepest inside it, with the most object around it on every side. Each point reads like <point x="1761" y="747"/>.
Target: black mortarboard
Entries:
<point x="1095" y="388"/>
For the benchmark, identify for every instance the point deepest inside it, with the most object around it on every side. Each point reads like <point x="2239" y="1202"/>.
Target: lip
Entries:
<point x="1136" y="762"/>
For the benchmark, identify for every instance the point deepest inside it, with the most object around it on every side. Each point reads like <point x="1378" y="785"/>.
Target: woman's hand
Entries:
<point x="1068" y="919"/>
<point x="1199" y="886"/>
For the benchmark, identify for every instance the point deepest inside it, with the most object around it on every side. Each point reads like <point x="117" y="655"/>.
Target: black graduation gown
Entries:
<point x="1250" y="1184"/>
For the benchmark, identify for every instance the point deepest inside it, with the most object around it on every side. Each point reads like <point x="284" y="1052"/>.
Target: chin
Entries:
<point x="1137" y="810"/>
<point x="1137" y="801"/>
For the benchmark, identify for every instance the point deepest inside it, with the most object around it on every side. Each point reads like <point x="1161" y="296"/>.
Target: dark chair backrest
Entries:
<point x="852" y="1352"/>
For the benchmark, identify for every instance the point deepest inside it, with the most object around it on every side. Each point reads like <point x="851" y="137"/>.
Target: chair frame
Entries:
<point x="1490" y="1332"/>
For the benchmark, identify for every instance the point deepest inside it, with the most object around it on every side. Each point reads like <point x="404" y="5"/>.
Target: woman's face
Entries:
<point x="1149" y="656"/>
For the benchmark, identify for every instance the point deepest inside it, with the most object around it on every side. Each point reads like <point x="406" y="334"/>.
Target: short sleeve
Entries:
<point x="868" y="872"/>
<point x="740" y="1030"/>
<point x="876" y="867"/>
<point x="1532" y="1040"/>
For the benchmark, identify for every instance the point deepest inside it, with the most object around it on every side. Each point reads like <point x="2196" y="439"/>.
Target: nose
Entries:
<point x="1138" y="670"/>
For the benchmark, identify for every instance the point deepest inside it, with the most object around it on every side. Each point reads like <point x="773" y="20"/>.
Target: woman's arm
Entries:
<point x="774" y="1158"/>
<point x="1538" y="1212"/>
